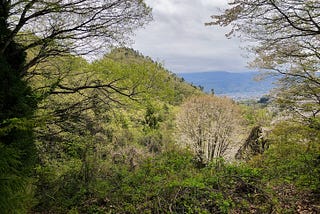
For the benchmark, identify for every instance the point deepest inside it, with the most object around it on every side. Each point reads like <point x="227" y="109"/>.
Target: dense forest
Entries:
<point x="119" y="133"/>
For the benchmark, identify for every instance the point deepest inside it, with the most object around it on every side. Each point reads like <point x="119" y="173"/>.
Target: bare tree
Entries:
<point x="286" y="37"/>
<point x="207" y="125"/>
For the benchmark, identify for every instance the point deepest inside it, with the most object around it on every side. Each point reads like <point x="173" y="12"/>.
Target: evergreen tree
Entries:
<point x="16" y="110"/>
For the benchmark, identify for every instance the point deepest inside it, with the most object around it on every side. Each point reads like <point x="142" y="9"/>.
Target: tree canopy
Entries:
<point x="286" y="40"/>
<point x="51" y="28"/>
<point x="34" y="36"/>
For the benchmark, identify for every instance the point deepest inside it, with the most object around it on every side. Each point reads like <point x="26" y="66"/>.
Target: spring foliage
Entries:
<point x="286" y="43"/>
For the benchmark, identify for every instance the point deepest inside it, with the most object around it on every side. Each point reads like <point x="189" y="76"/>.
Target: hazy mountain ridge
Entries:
<point x="236" y="85"/>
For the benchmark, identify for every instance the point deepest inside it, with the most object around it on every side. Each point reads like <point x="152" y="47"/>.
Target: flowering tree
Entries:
<point x="207" y="125"/>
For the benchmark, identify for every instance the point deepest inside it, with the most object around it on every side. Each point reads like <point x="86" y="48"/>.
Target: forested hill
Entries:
<point x="160" y="82"/>
<point x="235" y="85"/>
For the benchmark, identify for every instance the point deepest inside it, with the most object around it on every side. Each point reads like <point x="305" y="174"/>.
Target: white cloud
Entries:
<point x="179" y="38"/>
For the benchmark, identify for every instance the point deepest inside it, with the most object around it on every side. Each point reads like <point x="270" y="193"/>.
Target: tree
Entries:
<point x="207" y="124"/>
<point x="286" y="42"/>
<point x="51" y="28"/>
<point x="32" y="33"/>
<point x="46" y="30"/>
<point x="17" y="105"/>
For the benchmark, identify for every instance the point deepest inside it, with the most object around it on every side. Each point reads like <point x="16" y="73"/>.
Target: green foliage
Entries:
<point x="86" y="138"/>
<point x="171" y="183"/>
<point x="105" y="152"/>
<point x="290" y="167"/>
<point x="10" y="180"/>
<point x="60" y="186"/>
<point x="256" y="115"/>
<point x="17" y="149"/>
<point x="151" y="118"/>
<point x="39" y="76"/>
<point x="293" y="157"/>
<point x="104" y="131"/>
<point x="148" y="78"/>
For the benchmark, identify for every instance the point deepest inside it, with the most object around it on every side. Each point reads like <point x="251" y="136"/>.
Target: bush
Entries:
<point x="293" y="156"/>
<point x="171" y="183"/>
<point x="291" y="168"/>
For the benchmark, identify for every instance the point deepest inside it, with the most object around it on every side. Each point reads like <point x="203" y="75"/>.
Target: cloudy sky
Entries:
<point x="178" y="38"/>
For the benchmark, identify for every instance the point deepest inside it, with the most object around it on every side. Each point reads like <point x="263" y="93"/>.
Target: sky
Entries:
<point x="178" y="38"/>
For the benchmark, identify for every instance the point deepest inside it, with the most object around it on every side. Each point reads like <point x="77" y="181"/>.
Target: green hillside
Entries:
<point x="111" y="114"/>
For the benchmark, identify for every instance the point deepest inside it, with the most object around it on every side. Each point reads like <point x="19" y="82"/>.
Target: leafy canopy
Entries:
<point x="286" y="42"/>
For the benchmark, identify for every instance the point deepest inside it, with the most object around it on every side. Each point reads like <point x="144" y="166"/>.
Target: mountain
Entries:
<point x="235" y="85"/>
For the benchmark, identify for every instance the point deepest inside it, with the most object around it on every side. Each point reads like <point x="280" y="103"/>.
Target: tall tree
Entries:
<point x="17" y="105"/>
<point x="207" y="125"/>
<point x="286" y="40"/>
<point x="33" y="32"/>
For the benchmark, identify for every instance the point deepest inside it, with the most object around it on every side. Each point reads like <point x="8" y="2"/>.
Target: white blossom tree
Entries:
<point x="207" y="125"/>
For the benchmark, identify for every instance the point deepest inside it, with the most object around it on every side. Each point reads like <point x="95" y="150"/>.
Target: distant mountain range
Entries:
<point x="235" y="85"/>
